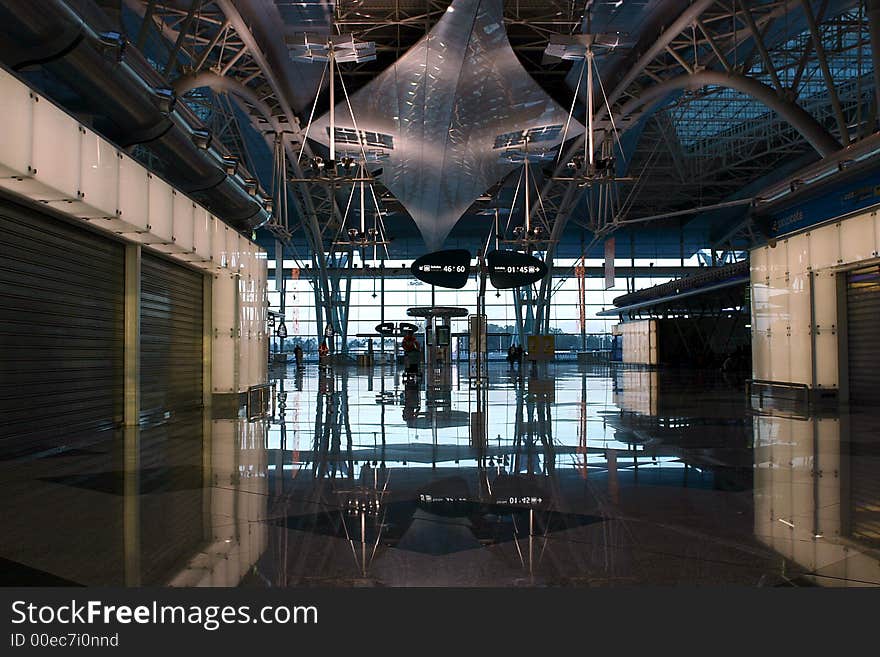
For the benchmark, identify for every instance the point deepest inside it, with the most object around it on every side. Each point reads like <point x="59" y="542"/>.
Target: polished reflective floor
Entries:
<point x="553" y="475"/>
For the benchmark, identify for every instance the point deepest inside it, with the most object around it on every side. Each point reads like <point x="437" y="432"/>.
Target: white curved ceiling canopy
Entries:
<point x="444" y="105"/>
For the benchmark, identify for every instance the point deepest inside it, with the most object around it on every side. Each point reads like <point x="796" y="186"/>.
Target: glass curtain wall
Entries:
<point x="402" y="293"/>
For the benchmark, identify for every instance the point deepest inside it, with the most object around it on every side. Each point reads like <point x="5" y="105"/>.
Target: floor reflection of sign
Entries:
<point x="509" y="269"/>
<point x="519" y="491"/>
<point x="542" y="389"/>
<point x="447" y="496"/>
<point x="449" y="269"/>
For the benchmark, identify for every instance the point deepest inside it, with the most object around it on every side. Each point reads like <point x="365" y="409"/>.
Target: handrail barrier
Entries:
<point x="776" y="390"/>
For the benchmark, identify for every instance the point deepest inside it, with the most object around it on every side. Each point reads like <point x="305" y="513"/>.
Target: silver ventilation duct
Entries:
<point x="128" y="99"/>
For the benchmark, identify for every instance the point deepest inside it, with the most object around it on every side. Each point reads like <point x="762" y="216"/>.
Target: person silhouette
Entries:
<point x="411" y="350"/>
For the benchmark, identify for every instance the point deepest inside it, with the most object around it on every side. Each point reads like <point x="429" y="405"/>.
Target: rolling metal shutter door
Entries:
<point x="171" y="440"/>
<point x="863" y="337"/>
<point x="61" y="332"/>
<point x="171" y="338"/>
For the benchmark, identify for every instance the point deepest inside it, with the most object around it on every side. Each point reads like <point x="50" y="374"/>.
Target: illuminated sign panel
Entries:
<point x="443" y="336"/>
<point x="386" y="329"/>
<point x="508" y="269"/>
<point x="449" y="269"/>
<point x="390" y="330"/>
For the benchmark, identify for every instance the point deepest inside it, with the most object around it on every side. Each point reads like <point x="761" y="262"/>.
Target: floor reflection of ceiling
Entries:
<point x="443" y="105"/>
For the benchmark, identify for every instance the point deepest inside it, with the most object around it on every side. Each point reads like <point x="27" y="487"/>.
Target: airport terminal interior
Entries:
<point x="393" y="293"/>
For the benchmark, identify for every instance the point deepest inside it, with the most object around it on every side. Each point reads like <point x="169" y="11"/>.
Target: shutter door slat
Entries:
<point x="171" y="387"/>
<point x="171" y="338"/>
<point x="61" y="332"/>
<point x="863" y="345"/>
<point x="863" y="309"/>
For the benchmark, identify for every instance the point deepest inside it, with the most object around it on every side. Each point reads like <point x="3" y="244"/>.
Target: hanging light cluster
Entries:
<point x="534" y="232"/>
<point x="331" y="50"/>
<point x="345" y="167"/>
<point x="594" y="170"/>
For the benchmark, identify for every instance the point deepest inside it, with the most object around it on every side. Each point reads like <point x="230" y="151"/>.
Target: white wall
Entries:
<point x="639" y="341"/>
<point x="49" y="157"/>
<point x="239" y="313"/>
<point x="781" y="281"/>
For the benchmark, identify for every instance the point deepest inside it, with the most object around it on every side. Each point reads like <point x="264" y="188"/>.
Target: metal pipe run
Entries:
<point x="127" y="99"/>
<point x="695" y="210"/>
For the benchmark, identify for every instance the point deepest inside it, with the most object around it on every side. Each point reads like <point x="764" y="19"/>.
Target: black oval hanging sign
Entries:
<point x="386" y="329"/>
<point x="508" y="269"/>
<point x="444" y="268"/>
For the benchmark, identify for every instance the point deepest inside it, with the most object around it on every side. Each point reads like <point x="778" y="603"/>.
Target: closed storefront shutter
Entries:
<point x="171" y="338"/>
<point x="61" y="332"/>
<point x="863" y="336"/>
<point x="171" y="437"/>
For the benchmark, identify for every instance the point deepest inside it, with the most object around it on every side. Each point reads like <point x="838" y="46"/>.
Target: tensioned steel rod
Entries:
<point x="696" y="210"/>
<point x="826" y="71"/>
<point x="762" y="49"/>
<point x="526" y="173"/>
<point x="332" y="106"/>
<point x="590" y="125"/>
<point x="187" y="23"/>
